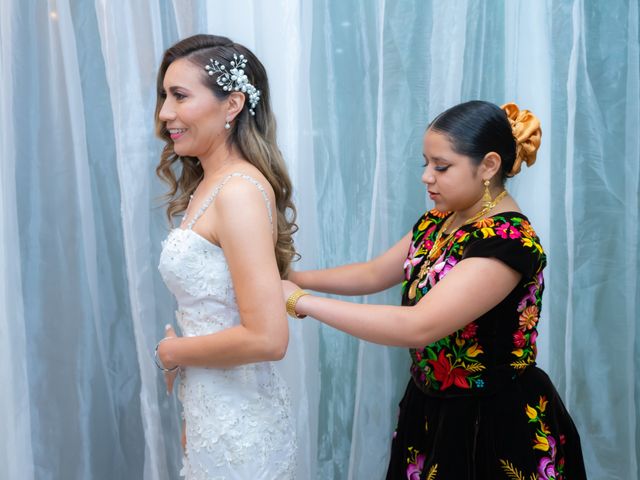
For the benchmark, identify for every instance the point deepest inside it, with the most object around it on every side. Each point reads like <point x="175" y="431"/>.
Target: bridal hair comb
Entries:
<point x="234" y="79"/>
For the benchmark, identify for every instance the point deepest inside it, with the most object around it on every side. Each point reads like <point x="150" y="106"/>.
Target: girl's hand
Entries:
<point x="293" y="276"/>
<point x="288" y="287"/>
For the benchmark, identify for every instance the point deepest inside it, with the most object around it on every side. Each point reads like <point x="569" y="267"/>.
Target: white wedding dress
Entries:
<point x="239" y="423"/>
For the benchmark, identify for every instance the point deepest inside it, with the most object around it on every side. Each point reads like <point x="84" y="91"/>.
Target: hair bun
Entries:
<point x="526" y="130"/>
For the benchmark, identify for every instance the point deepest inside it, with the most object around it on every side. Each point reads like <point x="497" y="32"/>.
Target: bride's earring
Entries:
<point x="227" y="125"/>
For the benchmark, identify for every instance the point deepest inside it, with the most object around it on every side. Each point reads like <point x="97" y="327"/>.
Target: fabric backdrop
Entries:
<point x="354" y="84"/>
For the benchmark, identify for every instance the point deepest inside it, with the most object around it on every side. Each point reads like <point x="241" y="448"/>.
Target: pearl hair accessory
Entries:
<point x="234" y="79"/>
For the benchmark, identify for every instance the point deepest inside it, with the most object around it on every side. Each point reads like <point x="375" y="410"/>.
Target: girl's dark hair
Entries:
<point x="476" y="128"/>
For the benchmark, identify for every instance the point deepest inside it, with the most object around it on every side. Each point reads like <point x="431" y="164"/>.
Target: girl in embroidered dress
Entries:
<point x="224" y="261"/>
<point x="476" y="406"/>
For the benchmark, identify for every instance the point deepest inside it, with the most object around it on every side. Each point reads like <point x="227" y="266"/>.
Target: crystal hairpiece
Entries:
<point x="234" y="79"/>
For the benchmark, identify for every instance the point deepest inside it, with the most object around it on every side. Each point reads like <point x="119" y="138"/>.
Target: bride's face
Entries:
<point x="191" y="112"/>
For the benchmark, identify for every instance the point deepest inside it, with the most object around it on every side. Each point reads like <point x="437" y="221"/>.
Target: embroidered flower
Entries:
<point x="547" y="469"/>
<point x="529" y="298"/>
<point x="414" y="470"/>
<point x="474" y="350"/>
<point x="530" y="242"/>
<point x="527" y="229"/>
<point x="438" y="214"/>
<point x="531" y="412"/>
<point x="461" y="236"/>
<point x="547" y="465"/>
<point x="487" y="232"/>
<point x="506" y="230"/>
<point x="541" y="443"/>
<point x="542" y="403"/>
<point x="485" y="222"/>
<point x="446" y="268"/>
<point x="411" y="261"/>
<point x="424" y="223"/>
<point x="518" y="339"/>
<point x="448" y="375"/>
<point x="529" y="318"/>
<point x="427" y="245"/>
<point x="469" y="331"/>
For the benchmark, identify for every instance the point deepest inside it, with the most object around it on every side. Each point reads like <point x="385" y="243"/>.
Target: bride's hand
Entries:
<point x="169" y="377"/>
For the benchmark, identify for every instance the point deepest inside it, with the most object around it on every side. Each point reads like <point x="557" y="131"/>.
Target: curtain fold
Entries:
<point x="353" y="86"/>
<point x="136" y="28"/>
<point x="16" y="456"/>
<point x="594" y="193"/>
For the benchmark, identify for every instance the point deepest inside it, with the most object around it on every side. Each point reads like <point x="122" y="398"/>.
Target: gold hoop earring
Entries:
<point x="486" y="197"/>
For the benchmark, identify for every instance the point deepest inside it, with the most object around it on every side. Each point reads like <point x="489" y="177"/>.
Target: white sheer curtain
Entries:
<point x="595" y="198"/>
<point x="353" y="86"/>
<point x="15" y="427"/>
<point x="136" y="27"/>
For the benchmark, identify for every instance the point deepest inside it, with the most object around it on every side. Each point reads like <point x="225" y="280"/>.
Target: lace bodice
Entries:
<point x="196" y="272"/>
<point x="239" y="422"/>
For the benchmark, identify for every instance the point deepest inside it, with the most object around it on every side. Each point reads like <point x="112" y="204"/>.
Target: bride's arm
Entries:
<point x="245" y="234"/>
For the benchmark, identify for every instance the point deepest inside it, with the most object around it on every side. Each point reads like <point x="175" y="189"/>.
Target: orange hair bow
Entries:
<point x="526" y="130"/>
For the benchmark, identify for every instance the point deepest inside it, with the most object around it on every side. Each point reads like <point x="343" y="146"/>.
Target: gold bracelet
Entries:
<point x="293" y="300"/>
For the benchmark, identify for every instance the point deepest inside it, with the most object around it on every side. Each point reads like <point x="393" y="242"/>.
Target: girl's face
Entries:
<point x="192" y="114"/>
<point x="452" y="179"/>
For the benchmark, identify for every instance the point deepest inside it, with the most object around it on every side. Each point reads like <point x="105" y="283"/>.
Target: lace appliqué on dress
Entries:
<point x="239" y="420"/>
<point x="191" y="264"/>
<point x="236" y="429"/>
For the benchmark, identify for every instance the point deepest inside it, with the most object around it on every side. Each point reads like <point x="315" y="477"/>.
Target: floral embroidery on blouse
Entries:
<point x="457" y="360"/>
<point x="454" y="363"/>
<point x="524" y="339"/>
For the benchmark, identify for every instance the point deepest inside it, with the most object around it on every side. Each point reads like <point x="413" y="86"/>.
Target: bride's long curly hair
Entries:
<point x="253" y="135"/>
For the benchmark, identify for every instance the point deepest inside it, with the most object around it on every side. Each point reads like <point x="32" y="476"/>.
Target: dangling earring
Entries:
<point x="227" y="125"/>
<point x="486" y="197"/>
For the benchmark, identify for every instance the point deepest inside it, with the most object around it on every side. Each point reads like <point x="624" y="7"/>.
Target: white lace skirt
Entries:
<point x="239" y="424"/>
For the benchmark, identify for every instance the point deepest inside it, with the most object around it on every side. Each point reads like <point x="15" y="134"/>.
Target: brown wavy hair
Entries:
<point x="253" y="135"/>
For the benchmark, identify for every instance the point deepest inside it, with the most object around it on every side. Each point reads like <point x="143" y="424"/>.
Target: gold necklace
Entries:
<point x="438" y="243"/>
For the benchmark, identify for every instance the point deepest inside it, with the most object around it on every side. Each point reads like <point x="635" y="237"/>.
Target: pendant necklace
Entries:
<point x="439" y="243"/>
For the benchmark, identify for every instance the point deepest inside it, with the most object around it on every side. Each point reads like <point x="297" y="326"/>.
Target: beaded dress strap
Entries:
<point x="217" y="189"/>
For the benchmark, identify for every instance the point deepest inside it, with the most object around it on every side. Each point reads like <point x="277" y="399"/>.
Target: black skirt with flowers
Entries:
<point x="476" y="406"/>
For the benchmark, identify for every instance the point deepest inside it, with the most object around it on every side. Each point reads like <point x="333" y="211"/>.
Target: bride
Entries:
<point x="225" y="260"/>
